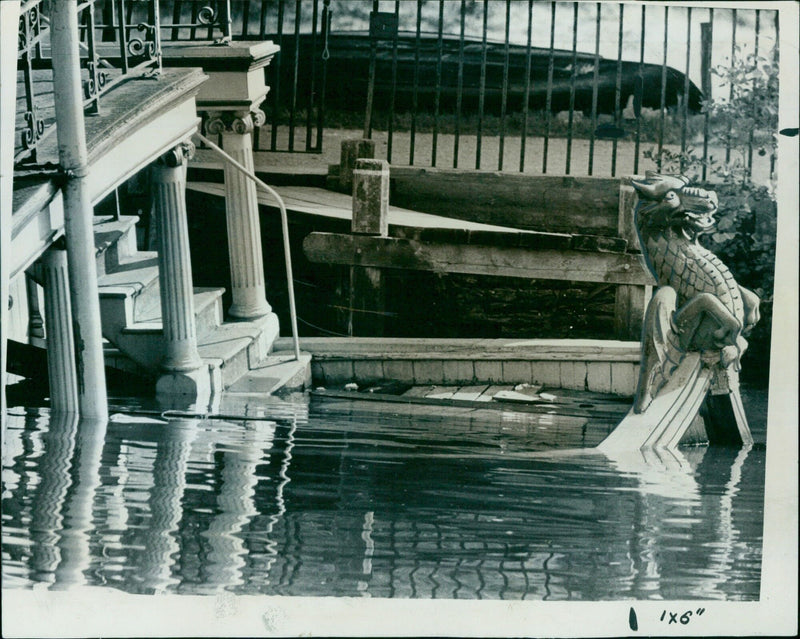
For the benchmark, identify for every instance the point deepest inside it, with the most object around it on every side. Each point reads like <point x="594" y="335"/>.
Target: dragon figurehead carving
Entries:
<point x="698" y="305"/>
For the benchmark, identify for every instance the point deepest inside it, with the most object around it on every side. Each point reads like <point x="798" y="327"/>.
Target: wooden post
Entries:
<point x="352" y="151"/>
<point x="370" y="217"/>
<point x="631" y="300"/>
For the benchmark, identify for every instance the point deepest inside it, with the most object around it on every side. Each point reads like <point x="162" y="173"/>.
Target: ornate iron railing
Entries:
<point x="34" y="125"/>
<point x="119" y="39"/>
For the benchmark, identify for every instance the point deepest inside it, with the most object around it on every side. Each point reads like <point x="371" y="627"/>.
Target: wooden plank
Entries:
<point x="324" y="203"/>
<point x="420" y="391"/>
<point x="630" y="305"/>
<point x="442" y="392"/>
<point x="470" y="393"/>
<point x="567" y="409"/>
<point x="537" y="202"/>
<point x="577" y="266"/>
<point x="493" y="389"/>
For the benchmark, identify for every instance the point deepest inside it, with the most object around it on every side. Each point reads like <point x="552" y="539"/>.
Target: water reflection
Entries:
<point x="287" y="502"/>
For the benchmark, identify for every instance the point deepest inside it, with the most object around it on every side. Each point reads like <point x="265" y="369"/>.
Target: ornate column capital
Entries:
<point x="240" y="122"/>
<point x="177" y="154"/>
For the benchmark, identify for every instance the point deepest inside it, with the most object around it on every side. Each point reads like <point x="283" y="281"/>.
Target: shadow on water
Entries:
<point x="319" y="502"/>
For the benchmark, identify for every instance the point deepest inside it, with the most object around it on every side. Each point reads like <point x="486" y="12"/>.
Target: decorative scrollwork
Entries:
<point x="34" y="129"/>
<point x="215" y="125"/>
<point x="207" y="15"/>
<point x="143" y="46"/>
<point x="90" y="88"/>
<point x="240" y="122"/>
<point x="177" y="154"/>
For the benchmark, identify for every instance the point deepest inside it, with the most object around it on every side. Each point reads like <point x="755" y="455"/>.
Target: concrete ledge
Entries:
<point x="604" y="366"/>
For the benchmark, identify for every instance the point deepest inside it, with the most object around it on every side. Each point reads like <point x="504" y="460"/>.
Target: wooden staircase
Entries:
<point x="130" y="305"/>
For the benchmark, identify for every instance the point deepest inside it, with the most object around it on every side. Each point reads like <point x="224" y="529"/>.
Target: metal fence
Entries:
<point x="551" y="87"/>
<point x="118" y="40"/>
<point x="536" y="87"/>
<point x="607" y="75"/>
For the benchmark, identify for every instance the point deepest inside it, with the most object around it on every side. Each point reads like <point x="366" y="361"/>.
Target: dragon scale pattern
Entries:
<point x="691" y="269"/>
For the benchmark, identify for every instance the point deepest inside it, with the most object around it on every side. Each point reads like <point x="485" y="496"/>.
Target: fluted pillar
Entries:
<point x="60" y="338"/>
<point x="183" y="371"/>
<point x="241" y="205"/>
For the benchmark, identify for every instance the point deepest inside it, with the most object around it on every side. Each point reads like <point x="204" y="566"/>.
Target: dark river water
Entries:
<point x="340" y="498"/>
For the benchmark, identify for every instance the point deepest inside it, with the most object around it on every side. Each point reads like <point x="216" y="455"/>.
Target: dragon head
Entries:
<point x="667" y="201"/>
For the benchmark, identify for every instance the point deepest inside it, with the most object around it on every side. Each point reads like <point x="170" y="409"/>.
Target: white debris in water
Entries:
<point x="319" y="389"/>
<point x="352" y="386"/>
<point x="548" y="397"/>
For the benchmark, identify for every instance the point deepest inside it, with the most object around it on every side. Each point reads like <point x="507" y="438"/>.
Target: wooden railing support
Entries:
<point x="370" y="217"/>
<point x="631" y="300"/>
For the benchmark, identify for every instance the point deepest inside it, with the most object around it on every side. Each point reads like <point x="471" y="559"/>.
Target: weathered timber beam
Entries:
<point x="535" y="202"/>
<point x="388" y="252"/>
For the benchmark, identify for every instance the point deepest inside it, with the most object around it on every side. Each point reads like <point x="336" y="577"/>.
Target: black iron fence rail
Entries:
<point x="465" y="84"/>
<point x="565" y="87"/>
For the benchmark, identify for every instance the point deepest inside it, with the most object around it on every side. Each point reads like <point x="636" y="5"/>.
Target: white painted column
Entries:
<point x="78" y="211"/>
<point x="9" y="24"/>
<point x="184" y="371"/>
<point x="241" y="205"/>
<point x="60" y="341"/>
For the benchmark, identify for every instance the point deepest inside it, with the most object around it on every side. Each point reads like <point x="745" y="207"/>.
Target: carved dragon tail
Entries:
<point x="661" y="349"/>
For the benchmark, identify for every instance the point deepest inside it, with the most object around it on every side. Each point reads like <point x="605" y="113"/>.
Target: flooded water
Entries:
<point x="344" y="499"/>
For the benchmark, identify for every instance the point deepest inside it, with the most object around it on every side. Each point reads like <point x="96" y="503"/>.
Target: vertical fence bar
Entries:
<point x="437" y="97"/>
<point x="663" y="110"/>
<point x="245" y="19"/>
<point x="482" y="87"/>
<point x="326" y="27"/>
<point x="393" y="92"/>
<point x="730" y="91"/>
<point x="504" y="96"/>
<point x="415" y="97"/>
<point x="262" y="31"/>
<point x="460" y="84"/>
<point x="262" y="26"/>
<point x="526" y="97"/>
<point x="276" y="81"/>
<point x="123" y="36"/>
<point x="572" y="76"/>
<point x="750" y="134"/>
<point x="92" y="60"/>
<point x="639" y="96"/>
<point x="549" y="99"/>
<point x="618" y="92"/>
<point x="210" y="31"/>
<point x="176" y="19"/>
<point x="295" y="71"/>
<point x="595" y="82"/>
<point x="685" y="120"/>
<point x="707" y="43"/>
<point x="373" y="55"/>
<point x="311" y="101"/>
<point x="195" y="13"/>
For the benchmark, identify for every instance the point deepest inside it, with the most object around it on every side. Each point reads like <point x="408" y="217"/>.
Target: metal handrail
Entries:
<point x="285" y="228"/>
